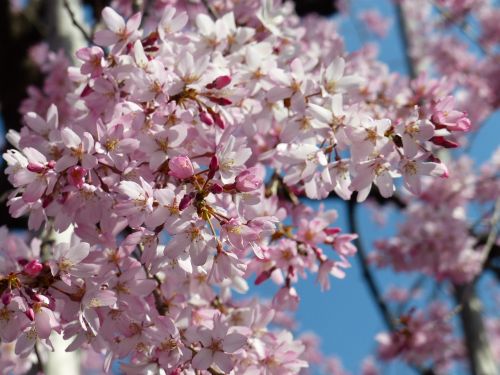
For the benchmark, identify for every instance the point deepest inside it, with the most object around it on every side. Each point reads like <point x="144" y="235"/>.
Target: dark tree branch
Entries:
<point x="367" y="274"/>
<point x="76" y="23"/>
<point x="404" y="33"/>
<point x="369" y="278"/>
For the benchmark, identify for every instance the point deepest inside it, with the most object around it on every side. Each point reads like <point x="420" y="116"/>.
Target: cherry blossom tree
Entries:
<point x="165" y="167"/>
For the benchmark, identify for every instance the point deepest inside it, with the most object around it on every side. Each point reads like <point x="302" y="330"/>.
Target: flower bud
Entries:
<point x="181" y="167"/>
<point x="35" y="167"/>
<point x="185" y="201"/>
<point x="33" y="268"/>
<point x="219" y="121"/>
<point x="214" y="163"/>
<point x="30" y="314"/>
<point x="220" y="101"/>
<point x="331" y="231"/>
<point x="216" y="188"/>
<point x="206" y="118"/>
<point x="248" y="180"/>
<point x="6" y="297"/>
<point x="219" y="83"/>
<point x="443" y="142"/>
<point x="213" y="167"/>
<point x="264" y="275"/>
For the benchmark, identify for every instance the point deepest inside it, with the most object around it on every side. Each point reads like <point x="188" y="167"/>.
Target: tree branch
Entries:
<point x="367" y="274"/>
<point x="405" y="39"/>
<point x="370" y="279"/>
<point x="76" y="23"/>
<point x="478" y="350"/>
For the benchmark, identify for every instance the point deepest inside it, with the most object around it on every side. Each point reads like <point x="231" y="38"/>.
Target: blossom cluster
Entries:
<point x="437" y="236"/>
<point x="423" y="336"/>
<point x="155" y="151"/>
<point x="463" y="48"/>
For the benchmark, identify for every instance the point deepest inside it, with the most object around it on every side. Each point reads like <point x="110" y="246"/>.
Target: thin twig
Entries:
<point x="367" y="274"/>
<point x="37" y="367"/>
<point x="76" y="23"/>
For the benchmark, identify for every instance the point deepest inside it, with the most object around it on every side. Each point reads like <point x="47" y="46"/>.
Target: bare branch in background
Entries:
<point x="374" y="289"/>
<point x="76" y="23"/>
<point x="404" y="33"/>
<point x="481" y="359"/>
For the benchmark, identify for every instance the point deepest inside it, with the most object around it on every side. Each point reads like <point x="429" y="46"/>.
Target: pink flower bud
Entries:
<point x="86" y="91"/>
<point x="6" y="297"/>
<point x="220" y="101"/>
<point x="181" y="167"/>
<point x="214" y="163"/>
<point x="443" y="142"/>
<point x="206" y="118"/>
<point x="248" y="180"/>
<point x="76" y="176"/>
<point x="213" y="167"/>
<point x="30" y="314"/>
<point x="35" y="167"/>
<point x="331" y="231"/>
<point x="264" y="276"/>
<point x="185" y="201"/>
<point x="219" y="83"/>
<point x="33" y="268"/>
<point x="219" y="121"/>
<point x="22" y="261"/>
<point x="216" y="189"/>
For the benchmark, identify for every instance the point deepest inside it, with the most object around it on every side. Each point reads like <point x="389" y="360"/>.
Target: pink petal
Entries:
<point x="65" y="162"/>
<point x="224" y="362"/>
<point x="233" y="342"/>
<point x="35" y="122"/>
<point x="134" y="22"/>
<point x="34" y="190"/>
<point x="70" y="138"/>
<point x="105" y="38"/>
<point x="92" y="320"/>
<point x="78" y="253"/>
<point x="42" y="324"/>
<point x="203" y="359"/>
<point x="113" y="20"/>
<point x="52" y="117"/>
<point x="25" y="343"/>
